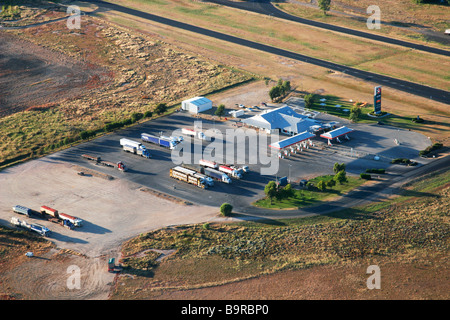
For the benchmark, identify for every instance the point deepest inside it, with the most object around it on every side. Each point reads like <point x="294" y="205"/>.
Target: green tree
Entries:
<point x="220" y="111"/>
<point x="271" y="190"/>
<point x="286" y="86"/>
<point x="325" y="5"/>
<point x="274" y="93"/>
<point x="321" y="185"/>
<point x="309" y="100"/>
<point x="355" y="113"/>
<point x="340" y="177"/>
<point x="226" y="209"/>
<point x="338" y="167"/>
<point x="160" y="108"/>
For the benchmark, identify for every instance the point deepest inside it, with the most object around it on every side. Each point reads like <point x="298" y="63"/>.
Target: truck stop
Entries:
<point x="297" y="142"/>
<point x="336" y="133"/>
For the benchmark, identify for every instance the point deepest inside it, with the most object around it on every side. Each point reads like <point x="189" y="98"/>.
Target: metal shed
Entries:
<point x="196" y="105"/>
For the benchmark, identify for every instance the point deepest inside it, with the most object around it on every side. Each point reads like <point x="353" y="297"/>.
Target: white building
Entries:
<point x="196" y="105"/>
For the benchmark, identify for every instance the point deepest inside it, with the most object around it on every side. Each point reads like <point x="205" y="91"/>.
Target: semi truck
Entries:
<point x="217" y="175"/>
<point x="230" y="171"/>
<point x="195" y="134"/>
<point x="134" y="147"/>
<point x="208" y="163"/>
<point x="63" y="219"/>
<point x="160" y="141"/>
<point x="40" y="229"/>
<point x="187" y="175"/>
<point x="201" y="172"/>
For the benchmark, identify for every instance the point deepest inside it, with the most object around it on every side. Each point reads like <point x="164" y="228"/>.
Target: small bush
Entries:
<point x="375" y="170"/>
<point x="365" y="176"/>
<point x="226" y="209"/>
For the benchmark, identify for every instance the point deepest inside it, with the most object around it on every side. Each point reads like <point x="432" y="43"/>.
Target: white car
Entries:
<point x="241" y="106"/>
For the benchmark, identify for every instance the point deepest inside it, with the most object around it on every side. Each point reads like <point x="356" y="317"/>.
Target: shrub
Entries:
<point x="148" y="114"/>
<point x="226" y="209"/>
<point x="340" y="177"/>
<point x="331" y="183"/>
<point x="136" y="116"/>
<point x="161" y="108"/>
<point x="321" y="185"/>
<point x="365" y="176"/>
<point x="375" y="170"/>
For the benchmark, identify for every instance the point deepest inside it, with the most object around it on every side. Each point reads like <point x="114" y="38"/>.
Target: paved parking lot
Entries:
<point x="366" y="141"/>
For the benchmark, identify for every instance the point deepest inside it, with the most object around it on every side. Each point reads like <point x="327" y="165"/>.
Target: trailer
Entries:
<point x="165" y="142"/>
<point x="187" y="175"/>
<point x="92" y="158"/>
<point x="22" y="210"/>
<point x="189" y="132"/>
<point x="208" y="163"/>
<point x="230" y="171"/>
<point x="63" y="219"/>
<point x="217" y="175"/>
<point x="201" y="172"/>
<point x="118" y="165"/>
<point x="50" y="211"/>
<point x="74" y="220"/>
<point x="134" y="147"/>
<point x="40" y="229"/>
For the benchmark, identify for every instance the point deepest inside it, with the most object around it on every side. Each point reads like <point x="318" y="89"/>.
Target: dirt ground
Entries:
<point x="31" y="75"/>
<point x="99" y="202"/>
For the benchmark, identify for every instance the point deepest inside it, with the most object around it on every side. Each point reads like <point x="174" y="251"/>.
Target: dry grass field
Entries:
<point x="97" y="76"/>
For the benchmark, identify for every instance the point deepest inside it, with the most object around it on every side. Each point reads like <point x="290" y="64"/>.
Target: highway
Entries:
<point x="265" y="7"/>
<point x="376" y="79"/>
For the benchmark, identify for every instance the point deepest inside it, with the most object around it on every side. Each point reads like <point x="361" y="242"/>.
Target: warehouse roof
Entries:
<point x="336" y="133"/>
<point x="292" y="140"/>
<point x="198" y="100"/>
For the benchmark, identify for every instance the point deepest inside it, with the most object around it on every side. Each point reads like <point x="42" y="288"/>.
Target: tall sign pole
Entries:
<point x="377" y="100"/>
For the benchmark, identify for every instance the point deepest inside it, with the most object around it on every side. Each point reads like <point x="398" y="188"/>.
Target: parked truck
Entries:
<point x="134" y="147"/>
<point x="201" y="172"/>
<point x="208" y="163"/>
<point x="160" y="141"/>
<point x="22" y="210"/>
<point x="230" y="171"/>
<point x="63" y="219"/>
<point x="217" y="175"/>
<point x="195" y="134"/>
<point x="189" y="176"/>
<point x="40" y="229"/>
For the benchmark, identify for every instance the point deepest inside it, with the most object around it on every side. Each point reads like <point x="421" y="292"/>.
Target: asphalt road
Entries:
<point x="377" y="79"/>
<point x="266" y="7"/>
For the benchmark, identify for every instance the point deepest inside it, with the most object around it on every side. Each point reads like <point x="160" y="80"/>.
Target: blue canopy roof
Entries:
<point x="292" y="140"/>
<point x="336" y="133"/>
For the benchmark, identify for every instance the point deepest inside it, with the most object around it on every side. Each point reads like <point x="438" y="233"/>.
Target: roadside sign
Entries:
<point x="377" y="100"/>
